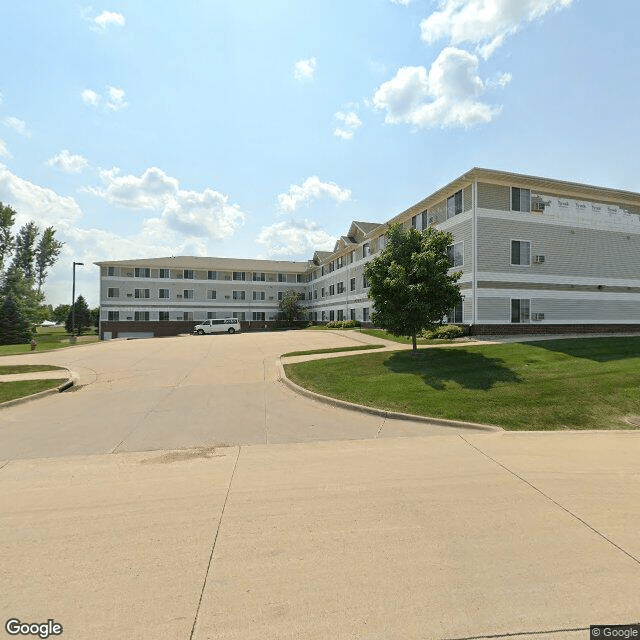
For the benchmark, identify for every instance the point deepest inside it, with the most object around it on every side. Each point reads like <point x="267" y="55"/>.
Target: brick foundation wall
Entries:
<point x="549" y="329"/>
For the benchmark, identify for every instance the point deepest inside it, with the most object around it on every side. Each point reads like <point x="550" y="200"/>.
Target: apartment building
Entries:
<point x="536" y="255"/>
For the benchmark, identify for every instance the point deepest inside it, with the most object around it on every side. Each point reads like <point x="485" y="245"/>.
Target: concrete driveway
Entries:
<point x="346" y="530"/>
<point x="140" y="395"/>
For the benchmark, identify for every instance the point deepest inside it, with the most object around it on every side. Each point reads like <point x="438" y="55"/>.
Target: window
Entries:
<point x="211" y="315"/>
<point x="258" y="277"/>
<point x="340" y="287"/>
<point x="211" y="294"/>
<point x="331" y="266"/>
<point x="113" y="292"/>
<point x="454" y="204"/>
<point x="187" y="315"/>
<point x="239" y="275"/>
<point x="280" y="295"/>
<point x="352" y="314"/>
<point x="519" y="310"/>
<point x="238" y="295"/>
<point x="111" y="271"/>
<point x="113" y="316"/>
<point x="164" y="273"/>
<point x="340" y="314"/>
<point x="382" y="242"/>
<point x="188" y="294"/>
<point x="414" y="222"/>
<point x="352" y="257"/>
<point x="141" y="316"/>
<point x="315" y="294"/>
<point x="239" y="315"/>
<point x="456" y="254"/>
<point x="331" y="315"/>
<point x="352" y="284"/>
<point x="301" y="296"/>
<point x="455" y="315"/>
<point x="520" y="199"/>
<point x="332" y="290"/>
<point x="282" y="277"/>
<point x="322" y="292"/>
<point x="365" y="314"/>
<point x="142" y="272"/>
<point x="340" y="262"/>
<point x="324" y="316"/>
<point x="259" y="316"/>
<point x="141" y="293"/>
<point x="259" y="295"/>
<point x="300" y="278"/>
<point x="425" y="219"/>
<point x="163" y="316"/>
<point x="322" y="270"/>
<point x="521" y="253"/>
<point x="366" y="250"/>
<point x="365" y="282"/>
<point x="212" y="275"/>
<point x="187" y="274"/>
<point x="163" y="293"/>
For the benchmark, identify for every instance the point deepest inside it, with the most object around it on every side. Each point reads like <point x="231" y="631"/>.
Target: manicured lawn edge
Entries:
<point x="352" y="406"/>
<point x="37" y="389"/>
<point x="333" y="350"/>
<point x="27" y="368"/>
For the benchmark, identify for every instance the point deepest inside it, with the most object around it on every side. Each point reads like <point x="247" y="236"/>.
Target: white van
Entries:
<point x="224" y="325"/>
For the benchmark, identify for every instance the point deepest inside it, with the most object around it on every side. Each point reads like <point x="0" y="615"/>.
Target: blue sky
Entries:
<point x="245" y="128"/>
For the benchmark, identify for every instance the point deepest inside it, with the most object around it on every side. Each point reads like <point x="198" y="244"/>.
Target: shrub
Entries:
<point x="446" y="331"/>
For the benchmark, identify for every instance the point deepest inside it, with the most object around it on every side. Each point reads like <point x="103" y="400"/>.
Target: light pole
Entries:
<point x="73" y="297"/>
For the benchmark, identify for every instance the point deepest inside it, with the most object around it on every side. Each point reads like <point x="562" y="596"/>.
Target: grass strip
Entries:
<point x="13" y="390"/>
<point x="334" y="350"/>
<point x="586" y="383"/>
<point x="26" y="368"/>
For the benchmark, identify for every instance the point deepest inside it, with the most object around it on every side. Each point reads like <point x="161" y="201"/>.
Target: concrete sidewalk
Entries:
<point x="60" y="374"/>
<point x="438" y="537"/>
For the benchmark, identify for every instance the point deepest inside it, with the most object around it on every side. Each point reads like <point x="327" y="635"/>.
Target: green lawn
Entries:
<point x="13" y="390"/>
<point x="48" y="338"/>
<point x="334" y="350"/>
<point x="26" y="368"/>
<point x="586" y="383"/>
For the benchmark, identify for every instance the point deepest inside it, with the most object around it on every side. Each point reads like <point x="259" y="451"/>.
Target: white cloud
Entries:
<point x="90" y="97"/>
<point x="107" y="19"/>
<point x="294" y="238"/>
<point x="116" y="99"/>
<point x="350" y="121"/>
<point x="3" y="149"/>
<point x="485" y="23"/>
<point x="446" y="95"/>
<point x="304" y="69"/>
<point x="68" y="162"/>
<point x="205" y="214"/>
<point x="311" y="189"/>
<point x="404" y="3"/>
<point x="20" y="126"/>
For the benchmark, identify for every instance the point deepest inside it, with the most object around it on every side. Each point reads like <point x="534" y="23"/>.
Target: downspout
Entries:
<point x="474" y="243"/>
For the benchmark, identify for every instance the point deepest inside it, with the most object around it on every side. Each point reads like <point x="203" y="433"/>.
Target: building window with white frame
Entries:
<point x="211" y="315"/>
<point x="187" y="274"/>
<point x="340" y="314"/>
<point x="365" y="282"/>
<point x="187" y="315"/>
<point x="520" y="253"/>
<point x="366" y="250"/>
<point x="282" y="277"/>
<point x="454" y="205"/>
<point x="141" y="316"/>
<point x="113" y="292"/>
<point x="425" y="219"/>
<point x="332" y="315"/>
<point x="520" y="310"/>
<point x="142" y="272"/>
<point x="111" y="271"/>
<point x="352" y="284"/>
<point x="259" y="276"/>
<point x="280" y="295"/>
<point x="365" y="314"/>
<point x="258" y="316"/>
<point x="352" y="314"/>
<point x="456" y="254"/>
<point x="212" y="275"/>
<point x="238" y="295"/>
<point x="455" y="315"/>
<point x="340" y="287"/>
<point x="164" y="273"/>
<point x="332" y="290"/>
<point x="414" y="222"/>
<point x="212" y="294"/>
<point x="259" y="295"/>
<point x="239" y="315"/>
<point x="187" y="294"/>
<point x="163" y="294"/>
<point x="142" y="293"/>
<point x="113" y="316"/>
<point x="163" y="316"/>
<point x="239" y="275"/>
<point x="520" y="200"/>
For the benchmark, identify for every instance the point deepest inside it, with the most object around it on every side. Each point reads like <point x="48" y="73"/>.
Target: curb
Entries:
<point x="73" y="377"/>
<point x="343" y="404"/>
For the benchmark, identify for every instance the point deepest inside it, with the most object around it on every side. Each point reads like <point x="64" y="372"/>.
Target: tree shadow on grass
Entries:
<point x="597" y="349"/>
<point x="469" y="369"/>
